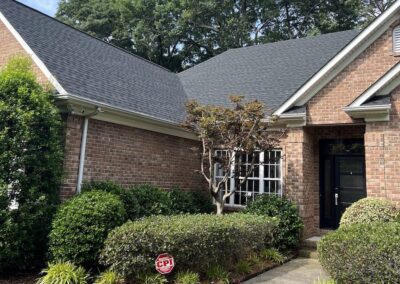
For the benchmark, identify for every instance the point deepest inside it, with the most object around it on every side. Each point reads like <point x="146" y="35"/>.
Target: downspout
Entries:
<point x="83" y="149"/>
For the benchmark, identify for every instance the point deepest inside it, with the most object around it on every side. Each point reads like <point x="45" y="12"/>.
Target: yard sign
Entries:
<point x="165" y="263"/>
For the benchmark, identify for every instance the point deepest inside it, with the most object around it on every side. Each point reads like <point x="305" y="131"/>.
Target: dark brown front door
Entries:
<point x="342" y="178"/>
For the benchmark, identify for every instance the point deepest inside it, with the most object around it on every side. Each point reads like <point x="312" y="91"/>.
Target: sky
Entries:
<point x="48" y="7"/>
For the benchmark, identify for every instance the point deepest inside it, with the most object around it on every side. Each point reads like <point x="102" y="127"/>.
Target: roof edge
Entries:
<point x="375" y="113"/>
<point x="123" y="116"/>
<point x="94" y="37"/>
<point x="357" y="43"/>
<point x="39" y="63"/>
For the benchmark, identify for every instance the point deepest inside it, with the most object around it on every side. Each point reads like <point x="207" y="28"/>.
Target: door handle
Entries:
<point x="336" y="199"/>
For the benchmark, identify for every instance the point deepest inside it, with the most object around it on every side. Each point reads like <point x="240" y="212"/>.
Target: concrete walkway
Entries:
<point x="296" y="271"/>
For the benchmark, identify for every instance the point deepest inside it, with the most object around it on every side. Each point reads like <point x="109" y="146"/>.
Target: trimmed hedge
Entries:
<point x="81" y="225"/>
<point x="290" y="224"/>
<point x="369" y="210"/>
<point x="362" y="253"/>
<point x="195" y="241"/>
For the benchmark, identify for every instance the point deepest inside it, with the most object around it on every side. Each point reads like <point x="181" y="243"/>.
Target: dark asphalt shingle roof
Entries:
<point x="92" y="69"/>
<point x="270" y="73"/>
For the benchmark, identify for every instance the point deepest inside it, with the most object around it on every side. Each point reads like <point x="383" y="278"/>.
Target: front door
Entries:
<point x="342" y="178"/>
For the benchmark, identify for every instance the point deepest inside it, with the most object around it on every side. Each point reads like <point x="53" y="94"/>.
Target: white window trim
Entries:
<point x="260" y="178"/>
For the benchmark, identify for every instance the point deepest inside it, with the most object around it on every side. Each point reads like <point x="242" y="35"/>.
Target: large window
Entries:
<point x="265" y="179"/>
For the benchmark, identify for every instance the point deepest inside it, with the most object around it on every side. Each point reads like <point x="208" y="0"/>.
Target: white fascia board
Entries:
<point x="379" y="87"/>
<point x="374" y="113"/>
<point x="293" y="119"/>
<point x="33" y="56"/>
<point x="361" y="42"/>
<point x="125" y="117"/>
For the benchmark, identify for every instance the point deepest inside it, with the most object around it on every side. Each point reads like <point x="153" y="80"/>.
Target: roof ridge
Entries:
<point x="291" y="39"/>
<point x="92" y="36"/>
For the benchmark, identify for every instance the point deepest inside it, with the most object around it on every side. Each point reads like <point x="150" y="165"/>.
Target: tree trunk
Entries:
<point x="220" y="206"/>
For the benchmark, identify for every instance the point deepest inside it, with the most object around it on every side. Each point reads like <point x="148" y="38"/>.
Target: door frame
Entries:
<point x="333" y="173"/>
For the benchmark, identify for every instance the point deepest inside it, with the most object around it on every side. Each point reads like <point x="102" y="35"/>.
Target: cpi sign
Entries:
<point x="165" y="263"/>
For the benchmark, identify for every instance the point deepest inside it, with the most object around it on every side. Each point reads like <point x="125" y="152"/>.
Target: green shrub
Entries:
<point x="189" y="202"/>
<point x="146" y="200"/>
<point x="31" y="156"/>
<point x="64" y="273"/>
<point x="243" y="267"/>
<point x="273" y="255"/>
<point x="193" y="240"/>
<point x="362" y="253"/>
<point x="187" y="277"/>
<point x="290" y="223"/>
<point x="217" y="273"/>
<point x="152" y="200"/>
<point x="127" y="197"/>
<point x="81" y="225"/>
<point x="109" y="277"/>
<point x="368" y="210"/>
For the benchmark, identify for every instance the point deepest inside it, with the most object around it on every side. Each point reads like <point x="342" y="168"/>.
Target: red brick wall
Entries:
<point x="326" y="106"/>
<point x="129" y="156"/>
<point x="324" y="114"/>
<point x="382" y="143"/>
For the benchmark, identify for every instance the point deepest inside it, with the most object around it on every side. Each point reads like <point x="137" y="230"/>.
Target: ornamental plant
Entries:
<point x="369" y="210"/>
<point x="290" y="224"/>
<point x="195" y="241"/>
<point x="81" y="225"/>
<point x="63" y="273"/>
<point x="31" y="156"/>
<point x="238" y="130"/>
<point x="362" y="253"/>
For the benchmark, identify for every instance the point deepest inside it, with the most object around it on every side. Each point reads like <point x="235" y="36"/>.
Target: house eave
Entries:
<point x="292" y="120"/>
<point x="370" y="113"/>
<point x="81" y="106"/>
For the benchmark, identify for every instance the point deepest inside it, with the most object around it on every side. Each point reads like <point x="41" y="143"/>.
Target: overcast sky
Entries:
<point x="46" y="6"/>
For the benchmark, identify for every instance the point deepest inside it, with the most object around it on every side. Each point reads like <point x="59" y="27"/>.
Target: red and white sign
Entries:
<point x="165" y="263"/>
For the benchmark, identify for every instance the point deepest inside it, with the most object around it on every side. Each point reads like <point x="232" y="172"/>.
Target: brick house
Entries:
<point x="338" y="95"/>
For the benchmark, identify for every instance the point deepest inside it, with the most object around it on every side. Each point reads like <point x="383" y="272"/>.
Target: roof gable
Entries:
<point x="270" y="72"/>
<point x="342" y="59"/>
<point x="92" y="69"/>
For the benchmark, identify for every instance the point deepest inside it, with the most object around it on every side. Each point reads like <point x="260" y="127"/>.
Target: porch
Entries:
<point x="324" y="173"/>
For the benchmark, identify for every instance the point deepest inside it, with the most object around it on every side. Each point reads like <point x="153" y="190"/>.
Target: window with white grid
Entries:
<point x="266" y="177"/>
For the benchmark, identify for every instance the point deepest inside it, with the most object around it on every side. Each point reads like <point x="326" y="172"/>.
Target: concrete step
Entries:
<point x="310" y="242"/>
<point x="308" y="253"/>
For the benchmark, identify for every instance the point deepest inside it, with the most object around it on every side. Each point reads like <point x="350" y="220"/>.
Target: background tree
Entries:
<point x="227" y="134"/>
<point x="30" y="166"/>
<point x="180" y="33"/>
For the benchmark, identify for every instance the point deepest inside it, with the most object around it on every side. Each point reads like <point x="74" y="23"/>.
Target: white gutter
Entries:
<point x="118" y="109"/>
<point x="83" y="150"/>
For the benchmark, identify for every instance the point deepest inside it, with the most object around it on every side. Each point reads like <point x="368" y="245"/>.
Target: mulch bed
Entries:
<point x="20" y="279"/>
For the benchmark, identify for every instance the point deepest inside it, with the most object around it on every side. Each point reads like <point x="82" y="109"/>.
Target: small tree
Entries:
<point x="226" y="135"/>
<point x="30" y="165"/>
